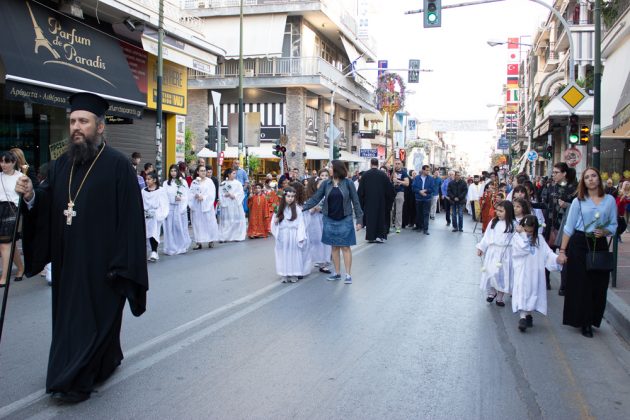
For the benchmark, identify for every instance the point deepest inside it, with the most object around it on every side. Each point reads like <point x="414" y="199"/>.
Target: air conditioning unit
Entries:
<point x="248" y="73"/>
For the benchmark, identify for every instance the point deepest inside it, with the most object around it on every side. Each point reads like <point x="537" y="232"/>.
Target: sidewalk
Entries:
<point x="618" y="306"/>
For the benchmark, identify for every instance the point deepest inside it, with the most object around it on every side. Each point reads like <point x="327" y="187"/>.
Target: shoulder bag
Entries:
<point x="600" y="261"/>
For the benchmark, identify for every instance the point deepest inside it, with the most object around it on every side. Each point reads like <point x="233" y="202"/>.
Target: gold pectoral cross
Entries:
<point x="69" y="213"/>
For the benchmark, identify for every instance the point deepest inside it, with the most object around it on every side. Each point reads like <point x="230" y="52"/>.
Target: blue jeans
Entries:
<point x="458" y="215"/>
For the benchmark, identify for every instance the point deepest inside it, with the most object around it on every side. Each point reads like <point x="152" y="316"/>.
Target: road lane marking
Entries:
<point x="133" y="368"/>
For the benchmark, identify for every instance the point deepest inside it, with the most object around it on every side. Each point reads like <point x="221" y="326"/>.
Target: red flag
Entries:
<point x="512" y="69"/>
<point x="513" y="42"/>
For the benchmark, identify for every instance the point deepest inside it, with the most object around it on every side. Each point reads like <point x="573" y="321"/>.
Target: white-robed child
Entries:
<point x="320" y="252"/>
<point x="155" y="211"/>
<point x="232" y="222"/>
<point x="176" y="236"/>
<point x="287" y="227"/>
<point x="531" y="256"/>
<point x="201" y="202"/>
<point x="521" y="209"/>
<point x="496" y="249"/>
<point x="522" y="192"/>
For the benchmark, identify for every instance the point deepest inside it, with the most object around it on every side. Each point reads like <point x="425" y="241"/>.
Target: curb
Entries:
<point x="618" y="314"/>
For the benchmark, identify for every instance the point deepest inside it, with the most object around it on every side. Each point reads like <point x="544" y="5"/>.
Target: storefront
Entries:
<point x="45" y="57"/>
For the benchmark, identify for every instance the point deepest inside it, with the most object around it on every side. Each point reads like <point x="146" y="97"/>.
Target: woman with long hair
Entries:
<point x="21" y="162"/>
<point x="592" y="217"/>
<point x="176" y="236"/>
<point x="340" y="198"/>
<point x="201" y="202"/>
<point x="8" y="211"/>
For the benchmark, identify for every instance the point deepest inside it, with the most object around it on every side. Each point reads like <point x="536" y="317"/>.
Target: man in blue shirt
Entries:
<point x="423" y="191"/>
<point x="437" y="187"/>
<point x="447" y="203"/>
<point x="401" y="180"/>
<point x="241" y="174"/>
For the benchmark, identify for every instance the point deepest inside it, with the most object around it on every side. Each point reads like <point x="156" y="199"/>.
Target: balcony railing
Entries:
<point x="213" y="4"/>
<point x="613" y="11"/>
<point x="290" y="67"/>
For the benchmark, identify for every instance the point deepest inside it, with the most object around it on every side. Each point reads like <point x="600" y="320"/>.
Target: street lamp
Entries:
<point x="495" y="43"/>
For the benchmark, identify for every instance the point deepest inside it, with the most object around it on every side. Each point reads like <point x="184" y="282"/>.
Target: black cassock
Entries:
<point x="98" y="263"/>
<point x="376" y="196"/>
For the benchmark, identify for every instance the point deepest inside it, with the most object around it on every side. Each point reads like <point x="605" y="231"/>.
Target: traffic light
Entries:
<point x="211" y="137"/>
<point x="549" y="152"/>
<point x="585" y="134"/>
<point x="279" y="150"/>
<point x="432" y="13"/>
<point x="574" y="130"/>
<point x="336" y="152"/>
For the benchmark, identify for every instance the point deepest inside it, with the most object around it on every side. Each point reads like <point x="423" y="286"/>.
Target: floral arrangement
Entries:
<point x="598" y="225"/>
<point x="386" y="94"/>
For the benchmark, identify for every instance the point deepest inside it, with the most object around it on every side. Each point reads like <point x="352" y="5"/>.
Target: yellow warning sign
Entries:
<point x="573" y="95"/>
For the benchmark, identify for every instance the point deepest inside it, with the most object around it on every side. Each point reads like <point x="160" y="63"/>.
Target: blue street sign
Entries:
<point x="532" y="156"/>
<point x="503" y="143"/>
<point x="368" y="153"/>
<point x="382" y="64"/>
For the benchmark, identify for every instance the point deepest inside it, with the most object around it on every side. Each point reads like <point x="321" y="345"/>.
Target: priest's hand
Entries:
<point x="358" y="226"/>
<point x="25" y="186"/>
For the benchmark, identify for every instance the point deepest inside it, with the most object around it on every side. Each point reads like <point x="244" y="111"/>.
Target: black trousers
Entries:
<point x="423" y="209"/>
<point x="447" y="210"/>
<point x="154" y="244"/>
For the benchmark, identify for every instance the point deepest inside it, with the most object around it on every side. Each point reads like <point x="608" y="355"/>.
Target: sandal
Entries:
<point x="490" y="298"/>
<point x="500" y="303"/>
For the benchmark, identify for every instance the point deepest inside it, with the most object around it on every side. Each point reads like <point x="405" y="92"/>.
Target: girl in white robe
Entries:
<point x="201" y="202"/>
<point x="287" y="227"/>
<point x="232" y="223"/>
<point x="176" y="236"/>
<point x="155" y="211"/>
<point x="531" y="256"/>
<point x="496" y="249"/>
<point x="320" y="252"/>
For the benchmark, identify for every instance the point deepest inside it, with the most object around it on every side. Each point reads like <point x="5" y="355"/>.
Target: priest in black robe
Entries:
<point x="376" y="196"/>
<point x="88" y="220"/>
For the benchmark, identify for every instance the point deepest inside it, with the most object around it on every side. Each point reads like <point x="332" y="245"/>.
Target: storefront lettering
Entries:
<point x="54" y="26"/>
<point x="67" y="41"/>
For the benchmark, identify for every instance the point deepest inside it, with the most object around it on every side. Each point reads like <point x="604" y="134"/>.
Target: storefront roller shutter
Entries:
<point x="136" y="137"/>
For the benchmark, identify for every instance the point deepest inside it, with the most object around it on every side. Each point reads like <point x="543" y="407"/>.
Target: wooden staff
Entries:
<point x="14" y="239"/>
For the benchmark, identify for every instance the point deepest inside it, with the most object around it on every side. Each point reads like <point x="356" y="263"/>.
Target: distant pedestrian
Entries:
<point x="400" y="178"/>
<point x="457" y="191"/>
<point x="409" y="208"/>
<point x="445" y="199"/>
<point x="437" y="189"/>
<point x="340" y="199"/>
<point x="423" y="191"/>
<point x="287" y="227"/>
<point x="531" y="256"/>
<point x="258" y="223"/>
<point x="376" y="193"/>
<point x="496" y="249"/>
<point x="475" y="191"/>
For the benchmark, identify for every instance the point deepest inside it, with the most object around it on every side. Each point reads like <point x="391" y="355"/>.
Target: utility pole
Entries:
<point x="241" y="119"/>
<point x="597" y="84"/>
<point x="160" y="74"/>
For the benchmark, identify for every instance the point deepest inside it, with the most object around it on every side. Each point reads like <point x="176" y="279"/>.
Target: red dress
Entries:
<point x="259" y="220"/>
<point x="487" y="203"/>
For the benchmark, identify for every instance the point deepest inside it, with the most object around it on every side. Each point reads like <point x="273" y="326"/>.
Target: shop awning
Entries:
<point x="373" y="117"/>
<point x="264" y="151"/>
<point x="355" y="57"/>
<point x="48" y="56"/>
<point x="316" y="153"/>
<point x="262" y="34"/>
<point x="349" y="157"/>
<point x="179" y="52"/>
<point x="622" y="111"/>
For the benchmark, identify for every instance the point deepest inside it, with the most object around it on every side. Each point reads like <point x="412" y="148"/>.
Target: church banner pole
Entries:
<point x="5" y="296"/>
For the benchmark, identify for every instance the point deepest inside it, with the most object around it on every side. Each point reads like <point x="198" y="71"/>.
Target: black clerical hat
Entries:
<point x="85" y="101"/>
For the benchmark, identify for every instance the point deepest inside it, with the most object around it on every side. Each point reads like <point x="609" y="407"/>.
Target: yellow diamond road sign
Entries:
<point x="572" y="96"/>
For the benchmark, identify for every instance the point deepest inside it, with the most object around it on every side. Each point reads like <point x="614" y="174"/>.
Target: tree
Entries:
<point x="189" y="153"/>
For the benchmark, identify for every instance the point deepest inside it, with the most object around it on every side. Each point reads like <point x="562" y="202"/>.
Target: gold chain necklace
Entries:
<point x="69" y="212"/>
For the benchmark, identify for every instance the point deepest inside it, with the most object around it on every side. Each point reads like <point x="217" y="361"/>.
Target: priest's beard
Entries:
<point x="84" y="151"/>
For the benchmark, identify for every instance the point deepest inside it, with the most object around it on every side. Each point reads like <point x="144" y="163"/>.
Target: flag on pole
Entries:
<point x="512" y="69"/>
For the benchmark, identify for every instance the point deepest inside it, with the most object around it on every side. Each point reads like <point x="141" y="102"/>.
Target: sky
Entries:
<point x="467" y="73"/>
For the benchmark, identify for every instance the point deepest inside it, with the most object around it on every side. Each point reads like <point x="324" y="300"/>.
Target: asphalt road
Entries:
<point x="412" y="338"/>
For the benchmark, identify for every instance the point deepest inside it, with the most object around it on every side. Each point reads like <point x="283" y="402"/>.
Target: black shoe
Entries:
<point x="19" y="278"/>
<point x="489" y="299"/>
<point x="530" y="321"/>
<point x="72" y="397"/>
<point x="448" y="223"/>
<point x="300" y="277"/>
<point x="324" y="270"/>
<point x="461" y="230"/>
<point x="196" y="247"/>
<point x="455" y="230"/>
<point x="560" y="292"/>
<point x="522" y="324"/>
<point x="426" y="232"/>
<point x="587" y="331"/>
<point x="500" y="303"/>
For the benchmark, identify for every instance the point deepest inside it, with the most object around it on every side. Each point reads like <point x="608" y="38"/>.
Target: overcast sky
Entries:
<point x="467" y="73"/>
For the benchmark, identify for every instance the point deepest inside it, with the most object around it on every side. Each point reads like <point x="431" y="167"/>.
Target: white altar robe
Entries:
<point x="232" y="223"/>
<point x="497" y="259"/>
<point x="176" y="236"/>
<point x="202" y="215"/>
<point x="155" y="211"/>
<point x="291" y="245"/>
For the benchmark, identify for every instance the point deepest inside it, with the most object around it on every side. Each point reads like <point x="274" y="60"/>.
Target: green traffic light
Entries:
<point x="574" y="139"/>
<point x="431" y="17"/>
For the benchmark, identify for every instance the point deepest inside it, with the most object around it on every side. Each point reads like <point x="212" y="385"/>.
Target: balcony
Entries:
<point x="551" y="58"/>
<point x="279" y="72"/>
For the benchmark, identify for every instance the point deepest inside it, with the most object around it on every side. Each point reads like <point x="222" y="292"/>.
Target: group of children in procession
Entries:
<point x="298" y="246"/>
<point x="515" y="256"/>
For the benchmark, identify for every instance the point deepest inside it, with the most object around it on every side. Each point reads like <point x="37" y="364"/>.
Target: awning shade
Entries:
<point x="622" y="111"/>
<point x="262" y="34"/>
<point x="179" y="52"/>
<point x="47" y="56"/>
<point x="349" y="157"/>
<point x="355" y="57"/>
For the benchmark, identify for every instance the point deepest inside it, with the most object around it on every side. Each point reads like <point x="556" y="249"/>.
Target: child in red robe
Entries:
<point x="258" y="214"/>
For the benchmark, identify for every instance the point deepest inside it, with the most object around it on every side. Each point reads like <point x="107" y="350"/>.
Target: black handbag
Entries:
<point x="599" y="261"/>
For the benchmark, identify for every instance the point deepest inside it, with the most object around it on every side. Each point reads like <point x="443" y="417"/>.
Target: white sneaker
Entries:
<point x="154" y="256"/>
